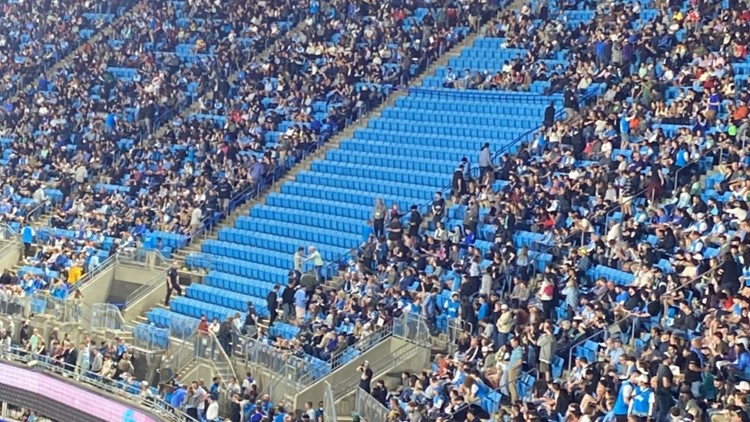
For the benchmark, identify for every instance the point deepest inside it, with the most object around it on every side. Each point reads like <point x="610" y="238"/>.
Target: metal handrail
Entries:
<point x="368" y="407"/>
<point x="91" y="275"/>
<point x="159" y="407"/>
<point x="12" y="240"/>
<point x="346" y="386"/>
<point x="144" y="289"/>
<point x="630" y="315"/>
<point x="500" y="388"/>
<point x="618" y="205"/>
<point x="222" y="353"/>
<point x="362" y="345"/>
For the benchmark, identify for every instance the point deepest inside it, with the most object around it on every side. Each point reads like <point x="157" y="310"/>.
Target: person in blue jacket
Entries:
<point x="27" y="235"/>
<point x="624" y="397"/>
<point x="178" y="397"/>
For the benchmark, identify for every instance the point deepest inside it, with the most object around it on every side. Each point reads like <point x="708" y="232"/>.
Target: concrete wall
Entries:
<point x="97" y="290"/>
<point x="136" y="274"/>
<point x="120" y="290"/>
<point x="12" y="255"/>
<point x="199" y="371"/>
<point x="133" y="277"/>
<point x="155" y="295"/>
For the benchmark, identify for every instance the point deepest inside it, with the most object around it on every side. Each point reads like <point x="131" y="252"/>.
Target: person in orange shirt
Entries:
<point x="740" y="113"/>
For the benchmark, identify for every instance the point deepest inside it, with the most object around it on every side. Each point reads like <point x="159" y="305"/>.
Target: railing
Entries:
<point x="362" y="345"/>
<point x="9" y="240"/>
<point x="8" y="233"/>
<point x="105" y="316"/>
<point x="368" y="408"/>
<point x="144" y="289"/>
<point x="250" y="192"/>
<point x="499" y="390"/>
<point x="156" y="405"/>
<point x="144" y="257"/>
<point x="148" y="258"/>
<point x="208" y="347"/>
<point x="286" y="364"/>
<point x="606" y="330"/>
<point x="91" y="275"/>
<point x="42" y="303"/>
<point x="395" y="358"/>
<point x="329" y="404"/>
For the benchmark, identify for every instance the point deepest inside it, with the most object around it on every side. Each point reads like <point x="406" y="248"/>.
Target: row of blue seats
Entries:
<point x="353" y="211"/>
<point x="615" y="275"/>
<point x="343" y="196"/>
<point x="488" y="42"/>
<point x="179" y="325"/>
<point x="185" y="306"/>
<point x="314" y="236"/>
<point x="425" y="139"/>
<point x="275" y="243"/>
<point x="445" y="129"/>
<point x="487" y="106"/>
<point x="322" y="220"/>
<point x="243" y="268"/>
<point x="234" y="283"/>
<point x="463" y="118"/>
<point x="228" y="299"/>
<point x="46" y="274"/>
<point x="284" y="331"/>
<point x="709" y="194"/>
<point x="523" y="238"/>
<point x="247" y="253"/>
<point x="197" y="309"/>
<point x="381" y="173"/>
<point x="422" y="165"/>
<point x="501" y="54"/>
<point x="454" y="154"/>
<point x="417" y="194"/>
<point x="151" y="335"/>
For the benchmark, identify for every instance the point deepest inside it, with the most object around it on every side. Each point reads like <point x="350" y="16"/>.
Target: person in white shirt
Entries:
<point x="212" y="410"/>
<point x="39" y="195"/>
<point x="196" y="217"/>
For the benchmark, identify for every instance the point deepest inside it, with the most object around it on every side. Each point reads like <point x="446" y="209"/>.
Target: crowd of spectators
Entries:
<point x="600" y="246"/>
<point x="37" y="34"/>
<point x="94" y="120"/>
<point x="587" y="242"/>
<point x="341" y="62"/>
<point x="116" y="362"/>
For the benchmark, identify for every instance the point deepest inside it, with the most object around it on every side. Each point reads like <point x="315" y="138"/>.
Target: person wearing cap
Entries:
<point x="642" y="403"/>
<point x="504" y="324"/>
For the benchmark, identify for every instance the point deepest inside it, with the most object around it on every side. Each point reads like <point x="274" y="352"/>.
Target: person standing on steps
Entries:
<point x="317" y="261"/>
<point x="287" y="300"/>
<point x="27" y="235"/>
<point x="378" y="217"/>
<point x="173" y="283"/>
<point x="272" y="301"/>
